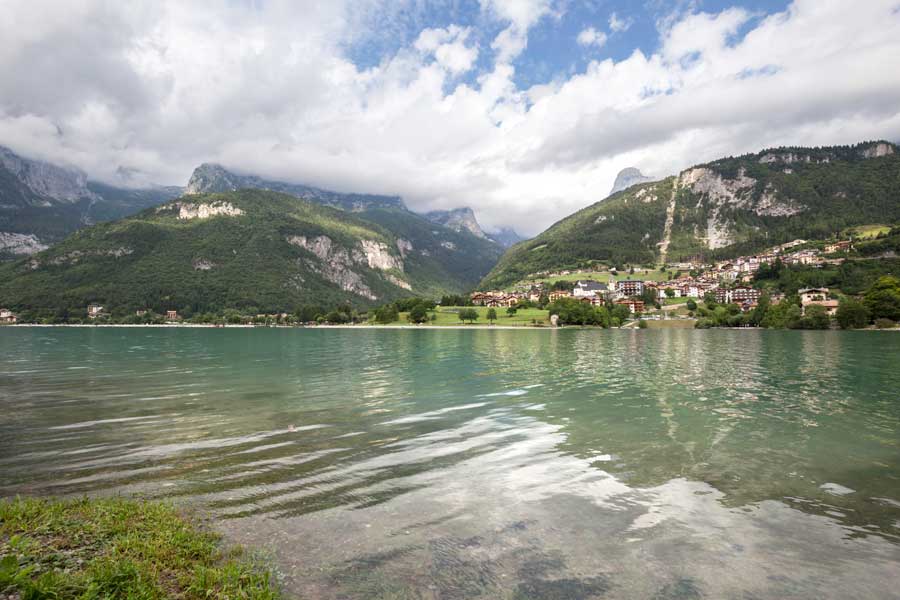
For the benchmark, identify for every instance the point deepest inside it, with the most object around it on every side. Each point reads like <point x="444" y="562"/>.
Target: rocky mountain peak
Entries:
<point x="628" y="177"/>
<point x="211" y="178"/>
<point x="214" y="178"/>
<point x="458" y="219"/>
<point x="48" y="181"/>
<point x="506" y="236"/>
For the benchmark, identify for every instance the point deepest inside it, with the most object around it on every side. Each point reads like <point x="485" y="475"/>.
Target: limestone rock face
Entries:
<point x="457" y="219"/>
<point x="205" y="210"/>
<point x="878" y="150"/>
<point x="50" y="182"/>
<point x="20" y="244"/>
<point x="337" y="263"/>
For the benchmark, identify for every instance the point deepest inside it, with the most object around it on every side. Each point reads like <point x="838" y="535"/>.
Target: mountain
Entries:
<point x="41" y="203"/>
<point x="722" y="209"/>
<point x="457" y="219"/>
<point x="627" y="178"/>
<point x="506" y="237"/>
<point x="463" y="219"/>
<point x="248" y="249"/>
<point x="213" y="178"/>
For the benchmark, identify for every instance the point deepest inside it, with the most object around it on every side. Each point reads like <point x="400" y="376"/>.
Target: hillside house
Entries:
<point x="738" y="295"/>
<point x="94" y="311"/>
<point x="630" y="287"/>
<point x="479" y="298"/>
<point x="589" y="289"/>
<point x="818" y="296"/>
<point x="842" y="246"/>
<point x="557" y="294"/>
<point x="810" y="295"/>
<point x="7" y="317"/>
<point x="830" y="306"/>
<point x="634" y="306"/>
<point x="172" y="315"/>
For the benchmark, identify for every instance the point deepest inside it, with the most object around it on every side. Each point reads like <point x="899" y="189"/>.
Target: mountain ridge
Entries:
<point x="720" y="209"/>
<point x="213" y="178"/>
<point x="246" y="249"/>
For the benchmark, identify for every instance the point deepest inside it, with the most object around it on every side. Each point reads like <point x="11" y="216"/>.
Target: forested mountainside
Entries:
<point x="725" y="208"/>
<point x="250" y="250"/>
<point x="41" y="203"/>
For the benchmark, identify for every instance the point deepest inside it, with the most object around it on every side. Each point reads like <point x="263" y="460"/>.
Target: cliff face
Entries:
<point x="41" y="203"/>
<point x="47" y="183"/>
<point x="457" y="219"/>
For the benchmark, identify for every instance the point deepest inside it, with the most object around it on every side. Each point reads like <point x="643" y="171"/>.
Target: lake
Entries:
<point x="446" y="464"/>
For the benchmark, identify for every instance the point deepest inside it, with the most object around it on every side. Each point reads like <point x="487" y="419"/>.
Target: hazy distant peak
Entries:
<point x="628" y="177"/>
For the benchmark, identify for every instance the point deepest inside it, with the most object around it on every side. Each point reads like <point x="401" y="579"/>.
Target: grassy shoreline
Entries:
<point x="119" y="548"/>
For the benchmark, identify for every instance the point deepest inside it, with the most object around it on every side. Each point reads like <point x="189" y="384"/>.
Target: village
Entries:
<point x="727" y="281"/>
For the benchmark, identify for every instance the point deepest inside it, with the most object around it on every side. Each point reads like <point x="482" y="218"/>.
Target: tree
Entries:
<point x="418" y="314"/>
<point x="386" y="314"/>
<point x="883" y="299"/>
<point x="691" y="305"/>
<point x="816" y="317"/>
<point x="621" y="313"/>
<point x="852" y="314"/>
<point x="670" y="293"/>
<point x="511" y="311"/>
<point x="468" y="314"/>
<point x="491" y="315"/>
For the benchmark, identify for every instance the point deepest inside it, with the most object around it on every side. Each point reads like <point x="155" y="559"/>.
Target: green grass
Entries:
<point x="115" y="548"/>
<point x="449" y="315"/>
<point x="863" y="232"/>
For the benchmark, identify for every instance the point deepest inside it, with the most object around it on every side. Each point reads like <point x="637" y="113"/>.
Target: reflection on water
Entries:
<point x="511" y="464"/>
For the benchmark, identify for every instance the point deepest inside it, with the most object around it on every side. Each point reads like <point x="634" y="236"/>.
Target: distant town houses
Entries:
<point x="728" y="281"/>
<point x="7" y="317"/>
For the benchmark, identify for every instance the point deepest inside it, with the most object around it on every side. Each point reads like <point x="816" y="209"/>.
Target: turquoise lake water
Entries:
<point x="446" y="464"/>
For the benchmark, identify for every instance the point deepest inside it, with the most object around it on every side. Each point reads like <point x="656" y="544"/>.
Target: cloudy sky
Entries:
<point x="523" y="109"/>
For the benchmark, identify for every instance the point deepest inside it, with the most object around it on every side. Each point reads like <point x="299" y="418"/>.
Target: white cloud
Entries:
<point x="449" y="48"/>
<point x="617" y="25"/>
<point x="156" y="87"/>
<point x="591" y="37"/>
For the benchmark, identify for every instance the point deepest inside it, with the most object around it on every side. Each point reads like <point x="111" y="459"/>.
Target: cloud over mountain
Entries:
<point x="277" y="88"/>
